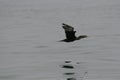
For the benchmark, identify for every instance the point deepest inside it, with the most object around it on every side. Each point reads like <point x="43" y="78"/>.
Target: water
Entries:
<point x="30" y="31"/>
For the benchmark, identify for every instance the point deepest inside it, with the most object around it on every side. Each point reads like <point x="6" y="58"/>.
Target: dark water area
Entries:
<point x="30" y="32"/>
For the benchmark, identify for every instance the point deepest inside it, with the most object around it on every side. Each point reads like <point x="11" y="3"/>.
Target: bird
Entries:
<point x="70" y="33"/>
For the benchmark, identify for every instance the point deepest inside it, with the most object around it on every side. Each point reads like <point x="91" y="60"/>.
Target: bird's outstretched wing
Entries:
<point x="67" y="27"/>
<point x="69" y="32"/>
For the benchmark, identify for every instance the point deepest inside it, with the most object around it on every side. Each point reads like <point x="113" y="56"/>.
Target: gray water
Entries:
<point x="30" y="31"/>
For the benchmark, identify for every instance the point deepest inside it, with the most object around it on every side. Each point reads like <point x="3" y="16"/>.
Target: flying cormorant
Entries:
<point x="70" y="33"/>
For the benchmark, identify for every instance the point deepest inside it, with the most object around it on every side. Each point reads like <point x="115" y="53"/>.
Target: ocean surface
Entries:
<point x="30" y="31"/>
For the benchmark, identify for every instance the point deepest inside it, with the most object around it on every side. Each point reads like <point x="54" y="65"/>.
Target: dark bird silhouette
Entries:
<point x="70" y="34"/>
